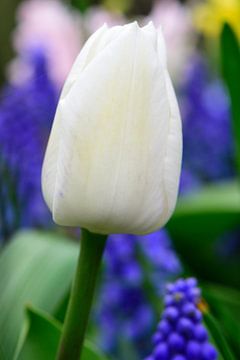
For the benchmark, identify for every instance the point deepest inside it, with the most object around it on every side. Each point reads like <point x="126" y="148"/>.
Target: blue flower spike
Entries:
<point x="180" y="334"/>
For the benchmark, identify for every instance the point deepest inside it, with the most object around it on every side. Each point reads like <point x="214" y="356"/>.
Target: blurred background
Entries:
<point x="39" y="41"/>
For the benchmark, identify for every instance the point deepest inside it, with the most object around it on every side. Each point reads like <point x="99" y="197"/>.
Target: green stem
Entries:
<point x="76" y="320"/>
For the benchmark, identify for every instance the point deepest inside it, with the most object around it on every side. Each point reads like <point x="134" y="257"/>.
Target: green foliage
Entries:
<point x="7" y="11"/>
<point x="36" y="268"/>
<point x="40" y="337"/>
<point x="82" y="5"/>
<point x="195" y="228"/>
<point x="230" y="59"/>
<point x="225" y="306"/>
<point x="218" y="337"/>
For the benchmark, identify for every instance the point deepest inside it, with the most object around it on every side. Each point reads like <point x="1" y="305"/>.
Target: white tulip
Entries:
<point x="113" y="159"/>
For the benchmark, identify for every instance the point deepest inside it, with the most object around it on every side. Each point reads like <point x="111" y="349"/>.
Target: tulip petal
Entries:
<point x="88" y="52"/>
<point x="119" y="139"/>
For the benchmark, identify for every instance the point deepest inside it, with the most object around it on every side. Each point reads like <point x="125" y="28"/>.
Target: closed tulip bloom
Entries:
<point x="113" y="159"/>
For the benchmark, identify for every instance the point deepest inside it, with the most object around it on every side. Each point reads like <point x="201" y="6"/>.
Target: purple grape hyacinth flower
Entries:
<point x="208" y="152"/>
<point x="133" y="267"/>
<point x="180" y="334"/>
<point x="26" y="115"/>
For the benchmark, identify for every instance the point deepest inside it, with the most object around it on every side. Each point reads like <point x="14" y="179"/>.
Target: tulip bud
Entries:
<point x="113" y="159"/>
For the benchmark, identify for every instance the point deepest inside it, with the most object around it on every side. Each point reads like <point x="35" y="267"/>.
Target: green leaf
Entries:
<point x="82" y="5"/>
<point x="36" y="268"/>
<point x="230" y="58"/>
<point x="218" y="337"/>
<point x="224" y="304"/>
<point x="196" y="225"/>
<point x="40" y="338"/>
<point x="7" y="23"/>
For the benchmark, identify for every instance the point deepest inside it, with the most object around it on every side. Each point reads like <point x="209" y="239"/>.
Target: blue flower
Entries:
<point x="26" y="115"/>
<point x="208" y="153"/>
<point x="133" y="267"/>
<point x="180" y="334"/>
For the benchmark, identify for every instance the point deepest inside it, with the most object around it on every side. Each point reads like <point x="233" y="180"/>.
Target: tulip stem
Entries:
<point x="76" y="319"/>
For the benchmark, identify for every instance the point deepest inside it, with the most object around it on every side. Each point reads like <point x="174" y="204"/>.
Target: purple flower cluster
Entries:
<point x="180" y="334"/>
<point x="208" y="153"/>
<point x="133" y="267"/>
<point x="26" y="115"/>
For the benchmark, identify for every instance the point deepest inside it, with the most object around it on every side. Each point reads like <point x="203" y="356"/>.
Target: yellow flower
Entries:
<point x="210" y="16"/>
<point x="119" y="6"/>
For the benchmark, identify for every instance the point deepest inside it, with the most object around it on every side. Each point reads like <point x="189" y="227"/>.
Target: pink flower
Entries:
<point x="52" y="26"/>
<point x="175" y="20"/>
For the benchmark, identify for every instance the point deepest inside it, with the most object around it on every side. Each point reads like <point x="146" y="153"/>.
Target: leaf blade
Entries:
<point x="196" y="225"/>
<point x="42" y="338"/>
<point x="37" y="269"/>
<point x="230" y="59"/>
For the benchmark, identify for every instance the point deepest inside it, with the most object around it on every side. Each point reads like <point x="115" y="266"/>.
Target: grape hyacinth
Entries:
<point x="208" y="153"/>
<point x="180" y="334"/>
<point x="26" y="114"/>
<point x="133" y="267"/>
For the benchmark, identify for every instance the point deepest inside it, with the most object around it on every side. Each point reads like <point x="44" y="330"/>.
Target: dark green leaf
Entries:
<point x="225" y="306"/>
<point x="7" y="23"/>
<point x="196" y="225"/>
<point x="82" y="5"/>
<point x="40" y="338"/>
<point x="230" y="57"/>
<point x="36" y="268"/>
<point x="218" y="337"/>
